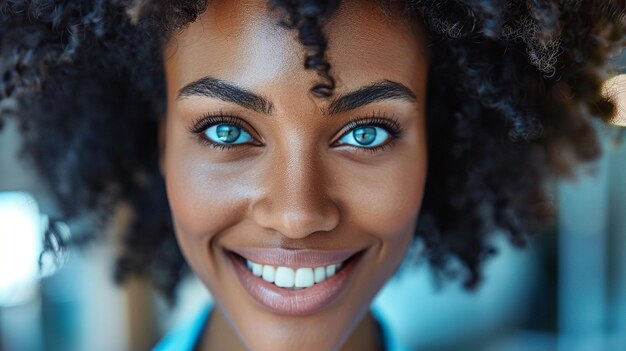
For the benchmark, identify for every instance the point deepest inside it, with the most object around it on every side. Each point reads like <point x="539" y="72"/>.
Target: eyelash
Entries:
<point x="379" y="119"/>
<point x="200" y="125"/>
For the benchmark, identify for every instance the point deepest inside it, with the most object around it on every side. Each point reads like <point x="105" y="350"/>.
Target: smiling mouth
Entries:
<point x="293" y="278"/>
<point x="290" y="278"/>
<point x="294" y="282"/>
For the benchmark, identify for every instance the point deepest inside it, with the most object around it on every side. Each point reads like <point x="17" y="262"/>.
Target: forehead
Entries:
<point x="242" y="42"/>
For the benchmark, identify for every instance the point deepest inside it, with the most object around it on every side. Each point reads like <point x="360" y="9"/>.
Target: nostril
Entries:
<point x="298" y="224"/>
<point x="297" y="221"/>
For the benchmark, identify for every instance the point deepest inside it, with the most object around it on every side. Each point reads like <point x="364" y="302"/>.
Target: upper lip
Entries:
<point x="294" y="258"/>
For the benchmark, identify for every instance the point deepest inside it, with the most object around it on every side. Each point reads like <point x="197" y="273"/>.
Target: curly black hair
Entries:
<point x="511" y="98"/>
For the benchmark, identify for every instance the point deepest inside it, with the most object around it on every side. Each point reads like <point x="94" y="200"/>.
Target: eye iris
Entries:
<point x="227" y="133"/>
<point x="365" y="136"/>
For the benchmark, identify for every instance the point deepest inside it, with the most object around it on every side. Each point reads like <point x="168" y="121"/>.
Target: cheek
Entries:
<point x="386" y="201"/>
<point x="388" y="209"/>
<point x="205" y="198"/>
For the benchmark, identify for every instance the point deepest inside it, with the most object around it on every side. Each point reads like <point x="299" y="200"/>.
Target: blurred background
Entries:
<point x="566" y="291"/>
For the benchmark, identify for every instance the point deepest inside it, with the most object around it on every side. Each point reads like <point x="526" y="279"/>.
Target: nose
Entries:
<point x="294" y="200"/>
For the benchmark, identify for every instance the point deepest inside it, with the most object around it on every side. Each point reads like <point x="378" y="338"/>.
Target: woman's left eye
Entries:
<point x="366" y="136"/>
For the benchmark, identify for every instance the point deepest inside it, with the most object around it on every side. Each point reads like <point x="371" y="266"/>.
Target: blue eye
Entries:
<point x="367" y="136"/>
<point x="227" y="134"/>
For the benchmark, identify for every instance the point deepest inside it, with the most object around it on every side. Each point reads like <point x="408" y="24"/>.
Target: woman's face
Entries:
<point x="258" y="169"/>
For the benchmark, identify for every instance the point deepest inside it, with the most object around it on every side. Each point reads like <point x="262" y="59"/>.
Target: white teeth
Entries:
<point x="257" y="269"/>
<point x="304" y="278"/>
<point x="269" y="273"/>
<point x="330" y="270"/>
<point x="285" y="277"/>
<point x="320" y="274"/>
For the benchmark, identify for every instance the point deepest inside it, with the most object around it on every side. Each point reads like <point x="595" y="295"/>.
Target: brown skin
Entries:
<point x="296" y="188"/>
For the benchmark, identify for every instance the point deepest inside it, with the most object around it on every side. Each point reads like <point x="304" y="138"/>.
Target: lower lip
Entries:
<point x="294" y="302"/>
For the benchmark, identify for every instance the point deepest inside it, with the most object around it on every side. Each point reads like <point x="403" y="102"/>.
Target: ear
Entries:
<point x="162" y="133"/>
<point x="615" y="90"/>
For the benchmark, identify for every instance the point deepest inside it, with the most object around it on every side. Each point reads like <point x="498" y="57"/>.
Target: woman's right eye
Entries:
<point x="227" y="134"/>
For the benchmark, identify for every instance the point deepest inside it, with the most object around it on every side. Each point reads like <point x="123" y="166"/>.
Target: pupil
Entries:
<point x="365" y="136"/>
<point x="227" y="133"/>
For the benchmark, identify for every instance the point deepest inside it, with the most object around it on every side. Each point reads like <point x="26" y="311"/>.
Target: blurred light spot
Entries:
<point x="20" y="246"/>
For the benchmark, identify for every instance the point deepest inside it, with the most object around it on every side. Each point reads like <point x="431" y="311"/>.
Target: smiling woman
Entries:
<point x="293" y="150"/>
<point x="275" y="170"/>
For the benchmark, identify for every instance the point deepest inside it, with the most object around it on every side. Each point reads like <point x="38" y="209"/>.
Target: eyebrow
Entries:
<point x="217" y="88"/>
<point x="378" y="91"/>
<point x="229" y="92"/>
